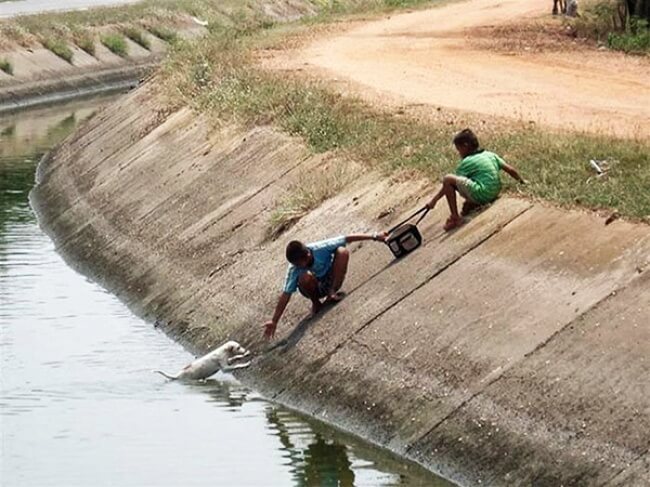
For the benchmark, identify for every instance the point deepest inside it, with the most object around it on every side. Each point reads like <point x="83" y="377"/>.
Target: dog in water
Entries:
<point x="222" y="358"/>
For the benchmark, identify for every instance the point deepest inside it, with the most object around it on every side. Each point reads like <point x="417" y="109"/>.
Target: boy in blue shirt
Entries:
<point x="317" y="270"/>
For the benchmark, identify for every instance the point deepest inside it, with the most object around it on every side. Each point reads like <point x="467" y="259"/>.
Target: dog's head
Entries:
<point x="234" y="349"/>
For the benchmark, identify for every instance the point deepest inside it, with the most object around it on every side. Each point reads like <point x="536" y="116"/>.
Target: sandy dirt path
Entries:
<point x="424" y="57"/>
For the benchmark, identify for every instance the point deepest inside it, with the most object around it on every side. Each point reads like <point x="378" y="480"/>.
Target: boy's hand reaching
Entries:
<point x="380" y="236"/>
<point x="269" y="329"/>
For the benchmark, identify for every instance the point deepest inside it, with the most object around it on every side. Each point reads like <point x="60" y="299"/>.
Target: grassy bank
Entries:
<point x="58" y="31"/>
<point x="161" y="17"/>
<point x="218" y="75"/>
<point x="164" y="19"/>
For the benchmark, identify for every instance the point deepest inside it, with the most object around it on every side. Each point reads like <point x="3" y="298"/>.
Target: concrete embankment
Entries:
<point x="40" y="77"/>
<point x="513" y="351"/>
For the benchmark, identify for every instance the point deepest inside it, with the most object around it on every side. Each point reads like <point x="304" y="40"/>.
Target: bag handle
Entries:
<point x="424" y="210"/>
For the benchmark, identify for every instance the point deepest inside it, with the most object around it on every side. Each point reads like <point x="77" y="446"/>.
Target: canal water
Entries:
<point x="11" y="8"/>
<point x="80" y="405"/>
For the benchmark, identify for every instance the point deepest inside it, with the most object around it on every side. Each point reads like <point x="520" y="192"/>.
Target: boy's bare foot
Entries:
<point x="453" y="222"/>
<point x="469" y="207"/>
<point x="335" y="298"/>
<point x="316" y="307"/>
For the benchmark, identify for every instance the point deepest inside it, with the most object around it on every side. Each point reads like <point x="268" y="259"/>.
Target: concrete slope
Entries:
<point x="511" y="352"/>
<point x="40" y="77"/>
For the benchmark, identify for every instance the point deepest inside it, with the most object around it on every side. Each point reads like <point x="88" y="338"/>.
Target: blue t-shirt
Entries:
<point x="323" y="253"/>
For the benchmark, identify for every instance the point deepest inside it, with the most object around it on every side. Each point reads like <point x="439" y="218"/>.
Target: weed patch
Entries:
<point x="6" y="66"/>
<point x="14" y="33"/>
<point x="85" y="40"/>
<point x="116" y="44"/>
<point x="311" y="189"/>
<point x="604" y="21"/>
<point x="59" y="47"/>
<point x="635" y="40"/>
<point x="136" y="35"/>
<point x="164" y="33"/>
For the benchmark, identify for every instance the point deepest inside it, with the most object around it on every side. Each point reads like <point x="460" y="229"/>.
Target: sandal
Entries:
<point x="452" y="223"/>
<point x="335" y="298"/>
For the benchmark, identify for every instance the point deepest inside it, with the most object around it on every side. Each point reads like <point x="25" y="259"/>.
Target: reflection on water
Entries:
<point x="80" y="405"/>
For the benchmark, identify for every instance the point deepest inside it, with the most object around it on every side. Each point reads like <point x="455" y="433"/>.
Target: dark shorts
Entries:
<point x="324" y="286"/>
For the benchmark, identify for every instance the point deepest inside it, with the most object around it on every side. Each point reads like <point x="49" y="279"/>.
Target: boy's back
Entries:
<point x="482" y="167"/>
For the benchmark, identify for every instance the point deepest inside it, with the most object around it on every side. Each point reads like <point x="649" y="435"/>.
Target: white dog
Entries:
<point x="221" y="358"/>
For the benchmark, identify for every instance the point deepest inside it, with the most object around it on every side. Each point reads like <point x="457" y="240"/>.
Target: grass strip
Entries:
<point x="137" y="35"/>
<point x="85" y="40"/>
<point x="116" y="44"/>
<point x="59" y="47"/>
<point x="6" y="66"/>
<point x="164" y="33"/>
<point x="218" y="75"/>
<point x="311" y="189"/>
<point x="163" y="17"/>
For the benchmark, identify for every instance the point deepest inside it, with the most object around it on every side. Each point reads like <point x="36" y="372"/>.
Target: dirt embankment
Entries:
<point x="441" y="58"/>
<point x="511" y="352"/>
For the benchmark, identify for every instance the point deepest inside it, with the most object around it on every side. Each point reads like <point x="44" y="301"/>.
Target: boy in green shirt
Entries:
<point x="476" y="178"/>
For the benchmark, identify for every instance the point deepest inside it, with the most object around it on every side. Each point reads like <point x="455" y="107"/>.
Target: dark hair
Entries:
<point x="296" y="250"/>
<point x="468" y="138"/>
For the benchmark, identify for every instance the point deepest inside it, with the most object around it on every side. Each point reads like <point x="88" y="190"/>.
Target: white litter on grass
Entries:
<point x="596" y="166"/>
<point x="202" y="23"/>
<point x="601" y="167"/>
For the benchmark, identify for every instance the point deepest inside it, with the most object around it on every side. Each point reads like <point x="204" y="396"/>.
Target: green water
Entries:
<point x="80" y="406"/>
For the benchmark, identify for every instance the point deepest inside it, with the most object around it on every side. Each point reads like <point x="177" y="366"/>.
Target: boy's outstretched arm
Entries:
<point x="377" y="237"/>
<point x="271" y="325"/>
<point x="437" y="197"/>
<point x="512" y="172"/>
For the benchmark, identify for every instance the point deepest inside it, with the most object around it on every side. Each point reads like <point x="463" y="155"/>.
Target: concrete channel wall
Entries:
<point x="514" y="351"/>
<point x="40" y="77"/>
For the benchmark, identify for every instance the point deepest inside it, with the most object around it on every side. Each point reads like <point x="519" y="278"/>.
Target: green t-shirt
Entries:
<point x="482" y="168"/>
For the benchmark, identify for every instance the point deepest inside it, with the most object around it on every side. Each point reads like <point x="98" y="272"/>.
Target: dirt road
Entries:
<point x="425" y="57"/>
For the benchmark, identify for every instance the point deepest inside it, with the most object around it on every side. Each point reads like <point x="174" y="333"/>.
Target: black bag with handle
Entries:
<point x="405" y="237"/>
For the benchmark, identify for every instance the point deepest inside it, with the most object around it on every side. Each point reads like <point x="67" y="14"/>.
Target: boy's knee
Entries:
<point x="342" y="252"/>
<point x="308" y="285"/>
<point x="307" y="280"/>
<point x="449" y="179"/>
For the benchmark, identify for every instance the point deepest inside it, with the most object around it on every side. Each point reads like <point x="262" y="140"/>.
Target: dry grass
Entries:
<point x="85" y="40"/>
<point x="13" y="34"/>
<point x="599" y="25"/>
<point x="164" y="33"/>
<point x="312" y="189"/>
<point x="218" y="75"/>
<point x="531" y="37"/>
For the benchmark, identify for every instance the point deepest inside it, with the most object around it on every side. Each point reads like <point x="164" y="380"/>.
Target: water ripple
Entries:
<point x="80" y="405"/>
